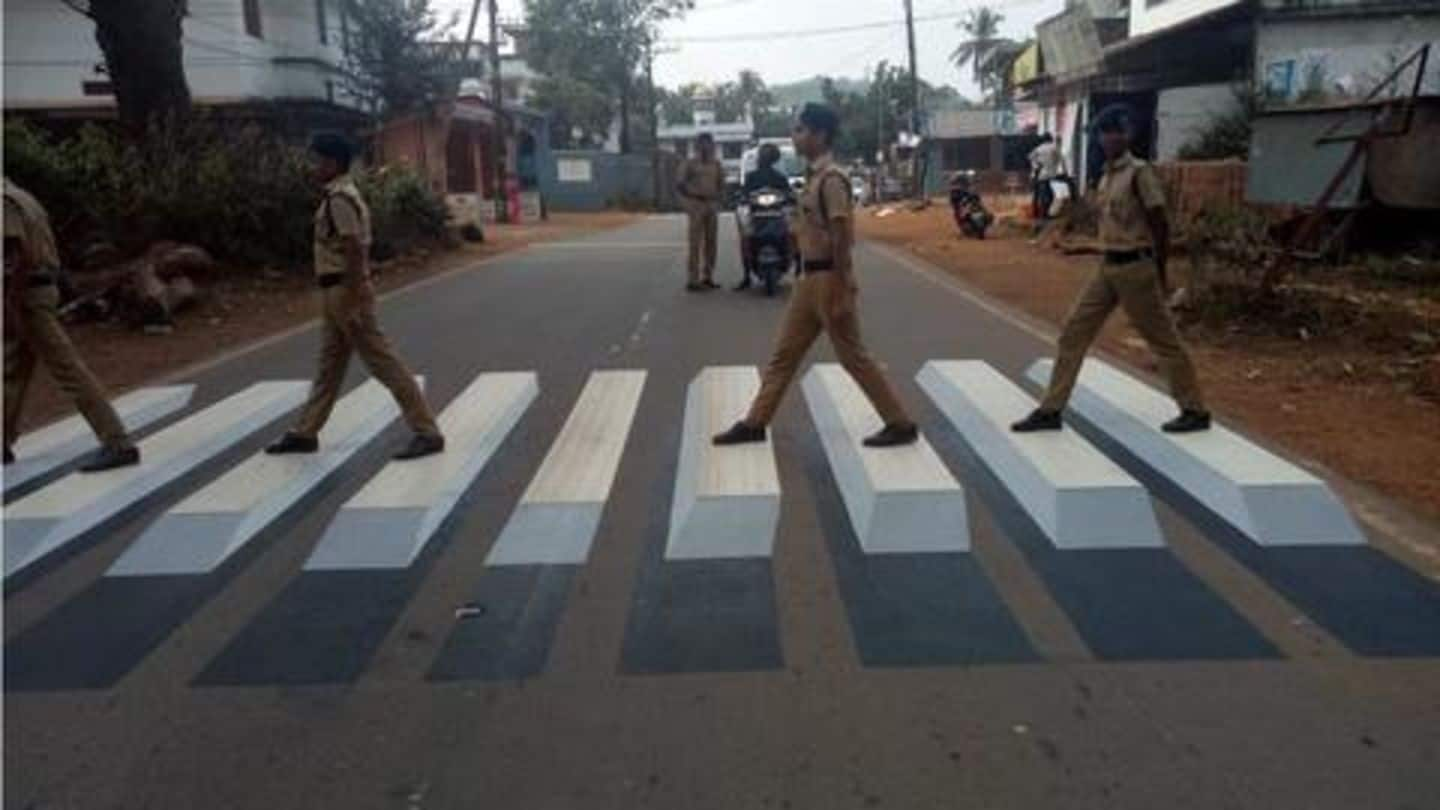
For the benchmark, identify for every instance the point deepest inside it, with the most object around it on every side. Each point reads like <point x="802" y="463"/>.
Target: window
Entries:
<point x="731" y="151"/>
<point x="322" y="22"/>
<point x="252" y="18"/>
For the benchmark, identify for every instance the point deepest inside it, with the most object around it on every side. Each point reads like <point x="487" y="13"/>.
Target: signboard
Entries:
<point x="574" y="170"/>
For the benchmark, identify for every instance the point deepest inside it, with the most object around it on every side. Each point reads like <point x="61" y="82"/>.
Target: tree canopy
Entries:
<point x="392" y="64"/>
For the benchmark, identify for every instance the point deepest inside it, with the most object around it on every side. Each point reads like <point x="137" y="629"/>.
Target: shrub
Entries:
<point x="1226" y="135"/>
<point x="238" y="191"/>
<point x="404" y="212"/>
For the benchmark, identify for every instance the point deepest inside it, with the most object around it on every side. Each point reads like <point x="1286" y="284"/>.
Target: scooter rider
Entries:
<point x="763" y="176"/>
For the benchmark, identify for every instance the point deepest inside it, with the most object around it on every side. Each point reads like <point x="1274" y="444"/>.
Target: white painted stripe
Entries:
<point x="204" y="530"/>
<point x="727" y="499"/>
<point x="576" y="477"/>
<point x="612" y="245"/>
<point x="387" y="524"/>
<point x="900" y="499"/>
<point x="1077" y="496"/>
<point x="48" y="519"/>
<point x="65" y="441"/>
<point x="1271" y="500"/>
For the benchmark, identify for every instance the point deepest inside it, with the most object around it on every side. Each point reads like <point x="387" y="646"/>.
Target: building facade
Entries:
<point x="238" y="53"/>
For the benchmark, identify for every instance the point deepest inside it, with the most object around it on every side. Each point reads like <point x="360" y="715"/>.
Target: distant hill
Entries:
<point x="795" y="94"/>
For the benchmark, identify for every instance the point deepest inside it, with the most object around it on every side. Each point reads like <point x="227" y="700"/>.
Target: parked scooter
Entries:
<point x="971" y="215"/>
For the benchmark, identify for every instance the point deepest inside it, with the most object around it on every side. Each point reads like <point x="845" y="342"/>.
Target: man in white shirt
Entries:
<point x="1046" y="164"/>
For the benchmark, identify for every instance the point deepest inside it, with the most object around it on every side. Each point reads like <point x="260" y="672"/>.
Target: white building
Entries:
<point x="237" y="53"/>
<point x="731" y="137"/>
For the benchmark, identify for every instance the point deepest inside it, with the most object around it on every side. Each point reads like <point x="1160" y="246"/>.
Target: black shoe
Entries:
<point x="420" y="446"/>
<point x="744" y="285"/>
<point x="740" y="433"/>
<point x="894" y="435"/>
<point x="695" y="287"/>
<point x="9" y="456"/>
<point x="1039" y="419"/>
<point x="111" y="458"/>
<point x="710" y="284"/>
<point x="1189" y="421"/>
<point x="292" y="443"/>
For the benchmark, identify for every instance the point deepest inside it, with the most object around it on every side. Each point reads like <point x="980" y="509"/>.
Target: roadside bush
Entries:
<point x="1227" y="135"/>
<point x="404" y="212"/>
<point x="239" y="192"/>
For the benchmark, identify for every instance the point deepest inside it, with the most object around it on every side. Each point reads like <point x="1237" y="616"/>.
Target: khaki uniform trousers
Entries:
<point x="40" y="338"/>
<point x="1135" y="287"/>
<point x="704" y="225"/>
<point x="351" y="326"/>
<point x="806" y="317"/>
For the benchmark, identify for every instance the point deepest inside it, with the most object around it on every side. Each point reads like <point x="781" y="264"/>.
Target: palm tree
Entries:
<point x="982" y="29"/>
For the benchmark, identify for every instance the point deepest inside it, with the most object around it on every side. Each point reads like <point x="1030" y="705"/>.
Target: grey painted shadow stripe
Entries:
<point x="1126" y="603"/>
<point x="1374" y="604"/>
<point x="912" y="610"/>
<point x="710" y="615"/>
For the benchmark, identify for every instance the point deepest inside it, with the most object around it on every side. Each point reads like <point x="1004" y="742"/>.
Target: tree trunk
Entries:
<point x="144" y="57"/>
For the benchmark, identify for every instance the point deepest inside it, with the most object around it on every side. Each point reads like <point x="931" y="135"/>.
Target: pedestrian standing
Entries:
<point x="824" y="298"/>
<point x="1135" y="237"/>
<point x="350" y="321"/>
<point x="34" y="335"/>
<point x="700" y="187"/>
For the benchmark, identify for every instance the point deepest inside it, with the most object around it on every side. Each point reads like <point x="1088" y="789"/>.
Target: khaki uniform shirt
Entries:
<point x="1128" y="188"/>
<point x="704" y="180"/>
<point x="342" y="213"/>
<point x="826" y="196"/>
<point x="27" y="222"/>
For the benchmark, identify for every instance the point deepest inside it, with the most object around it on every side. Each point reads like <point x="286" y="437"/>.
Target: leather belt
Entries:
<point x="40" y="280"/>
<point x="330" y="280"/>
<point x="1125" y="256"/>
<point x="819" y="266"/>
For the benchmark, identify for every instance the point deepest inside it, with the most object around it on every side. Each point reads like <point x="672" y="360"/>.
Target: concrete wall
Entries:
<point x="574" y="180"/>
<point x="1346" y="55"/>
<point x="1147" y="16"/>
<point x="50" y="52"/>
<point x="1183" y="112"/>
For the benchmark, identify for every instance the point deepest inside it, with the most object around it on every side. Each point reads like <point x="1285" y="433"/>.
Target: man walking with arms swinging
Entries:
<point x="824" y="298"/>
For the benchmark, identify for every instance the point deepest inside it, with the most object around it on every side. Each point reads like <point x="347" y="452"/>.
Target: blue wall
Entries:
<point x="615" y="181"/>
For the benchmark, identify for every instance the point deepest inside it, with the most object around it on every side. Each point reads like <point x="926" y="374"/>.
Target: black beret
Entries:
<point x="333" y="145"/>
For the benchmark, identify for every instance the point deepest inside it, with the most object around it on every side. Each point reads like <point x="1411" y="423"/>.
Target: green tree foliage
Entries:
<point x="580" y="113"/>
<point x="390" y="67"/>
<point x="980" y="48"/>
<point x="601" y="43"/>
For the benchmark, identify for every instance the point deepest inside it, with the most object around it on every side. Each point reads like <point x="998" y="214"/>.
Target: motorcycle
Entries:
<point x="971" y="215"/>
<point x="767" y="220"/>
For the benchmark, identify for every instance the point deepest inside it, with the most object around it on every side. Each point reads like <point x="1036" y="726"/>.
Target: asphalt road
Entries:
<point x="1214" y="674"/>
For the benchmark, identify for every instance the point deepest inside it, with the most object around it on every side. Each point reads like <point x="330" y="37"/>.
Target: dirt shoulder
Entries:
<point x="244" y="307"/>
<point x="1334" y="403"/>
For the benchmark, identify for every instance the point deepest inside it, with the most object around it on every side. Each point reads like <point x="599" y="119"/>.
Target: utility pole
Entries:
<point x="497" y="100"/>
<point x="654" y="119"/>
<point x="916" y="179"/>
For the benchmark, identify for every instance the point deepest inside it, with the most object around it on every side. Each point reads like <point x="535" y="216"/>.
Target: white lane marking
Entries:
<point x="207" y="528"/>
<point x="388" y="522"/>
<point x="56" y="445"/>
<point x="1077" y="496"/>
<point x="1271" y="500"/>
<point x="727" y="499"/>
<point x="935" y="276"/>
<point x="900" y="499"/>
<point x="556" y="519"/>
<point x="42" y="522"/>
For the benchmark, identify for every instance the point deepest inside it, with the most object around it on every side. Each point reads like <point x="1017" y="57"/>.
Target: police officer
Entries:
<point x="700" y="187"/>
<point x="824" y="296"/>
<point x="342" y="271"/>
<point x="1135" y="235"/>
<point x="33" y="334"/>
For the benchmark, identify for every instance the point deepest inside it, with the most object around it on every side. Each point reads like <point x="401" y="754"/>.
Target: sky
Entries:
<point x="783" y="58"/>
